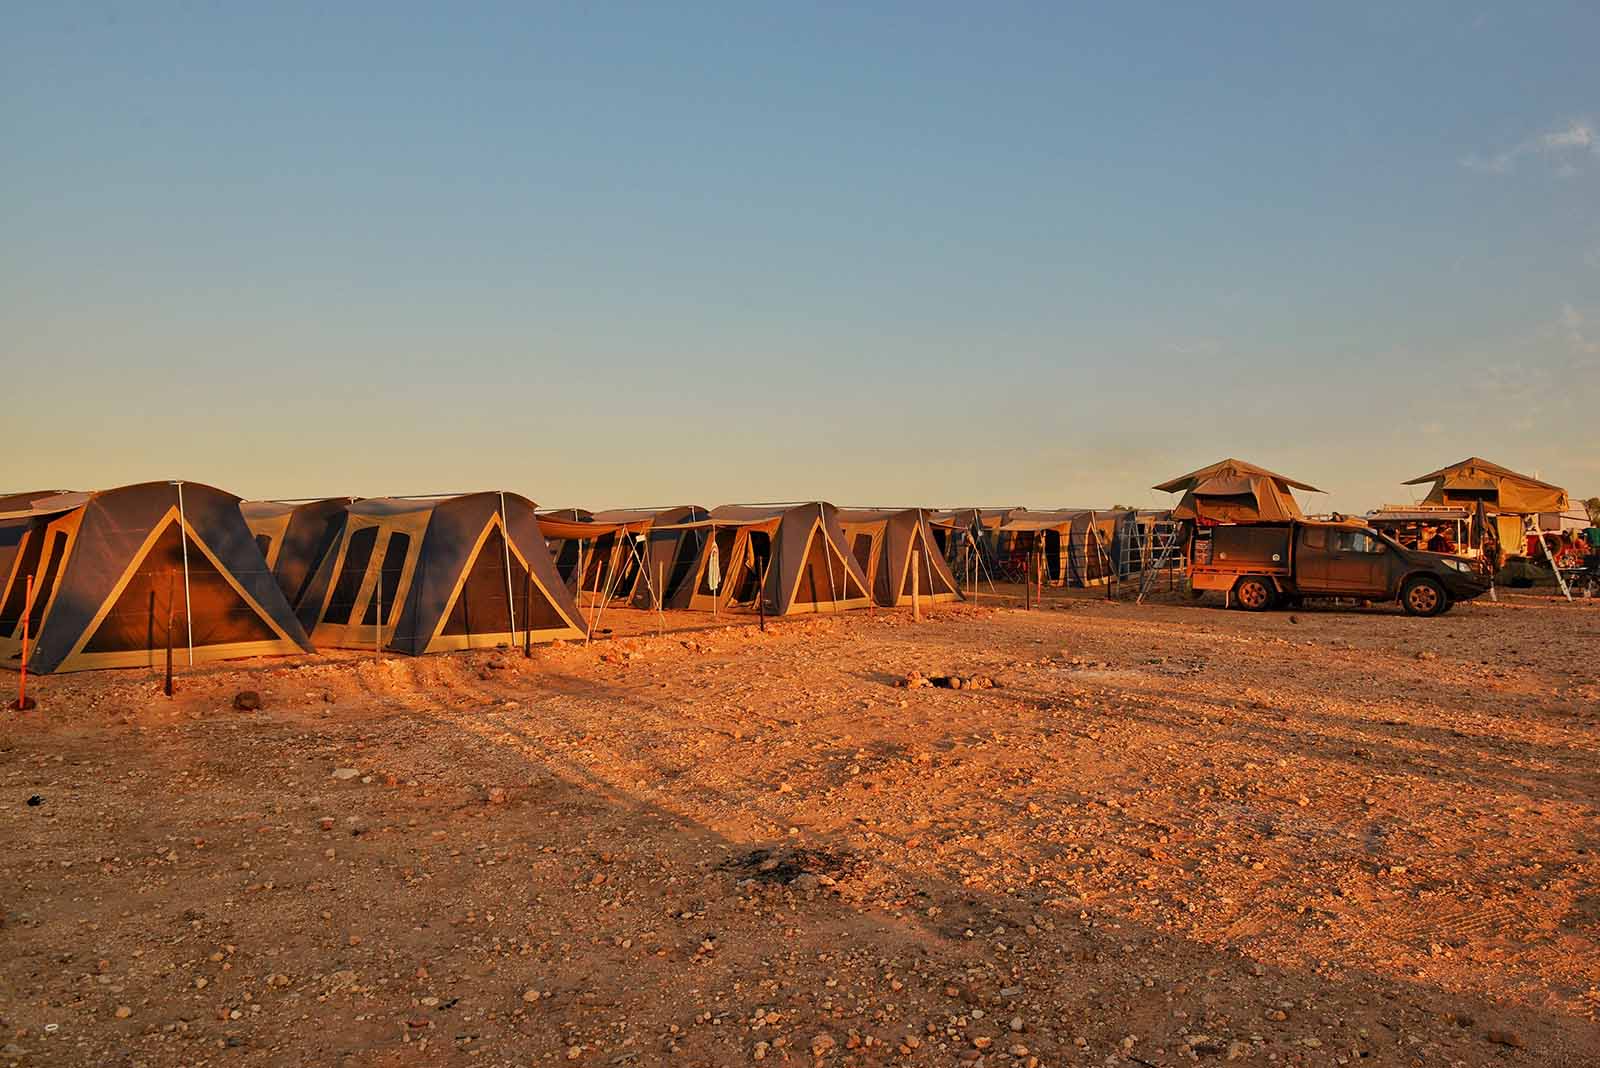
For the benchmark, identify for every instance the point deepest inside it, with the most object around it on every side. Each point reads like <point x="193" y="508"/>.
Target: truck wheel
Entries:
<point x="1254" y="594"/>
<point x="1423" y="596"/>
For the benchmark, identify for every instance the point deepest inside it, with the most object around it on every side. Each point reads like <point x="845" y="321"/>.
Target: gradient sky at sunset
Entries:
<point x="922" y="253"/>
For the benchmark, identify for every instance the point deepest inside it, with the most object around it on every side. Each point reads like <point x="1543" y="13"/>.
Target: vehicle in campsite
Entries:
<point x="1260" y="565"/>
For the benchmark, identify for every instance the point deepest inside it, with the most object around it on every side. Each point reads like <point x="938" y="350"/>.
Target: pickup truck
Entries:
<point x="1263" y="564"/>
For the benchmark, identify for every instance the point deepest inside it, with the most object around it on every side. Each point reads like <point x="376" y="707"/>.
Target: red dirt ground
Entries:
<point x="1173" y="834"/>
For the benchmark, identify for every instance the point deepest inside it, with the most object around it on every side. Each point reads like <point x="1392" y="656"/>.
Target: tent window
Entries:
<point x="748" y="575"/>
<point x="394" y="562"/>
<point x="861" y="549"/>
<point x="688" y="551"/>
<point x="28" y="565"/>
<point x="46" y="582"/>
<point x="356" y="559"/>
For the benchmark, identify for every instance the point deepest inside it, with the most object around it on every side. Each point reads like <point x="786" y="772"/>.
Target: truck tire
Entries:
<point x="1254" y="594"/>
<point x="1423" y="596"/>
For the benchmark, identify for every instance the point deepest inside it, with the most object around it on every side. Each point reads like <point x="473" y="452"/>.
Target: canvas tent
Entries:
<point x="111" y="568"/>
<point x="1232" y="491"/>
<point x="896" y="550"/>
<point x="294" y="538"/>
<point x="617" y="566"/>
<point x="664" y="551"/>
<point x="960" y="531"/>
<point x="1503" y="492"/>
<point x="1071" y="546"/>
<point x="424" y="575"/>
<point x="792" y="557"/>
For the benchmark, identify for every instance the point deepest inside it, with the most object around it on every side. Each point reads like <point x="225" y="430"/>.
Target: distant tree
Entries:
<point x="1592" y="506"/>
<point x="1123" y="508"/>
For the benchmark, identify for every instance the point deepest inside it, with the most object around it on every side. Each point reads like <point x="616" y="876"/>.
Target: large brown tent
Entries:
<point x="896" y="550"/>
<point x="424" y="575"/>
<point x="112" y="568"/>
<point x="793" y="558"/>
<point x="1232" y="491"/>
<point x="294" y="538"/>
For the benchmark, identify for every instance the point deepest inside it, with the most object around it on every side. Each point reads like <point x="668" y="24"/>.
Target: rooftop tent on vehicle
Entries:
<point x="111" y="568"/>
<point x="424" y="575"/>
<point x="1232" y="491"/>
<point x="294" y="538"/>
<point x="1502" y="490"/>
<point x="793" y="558"/>
<point x="884" y="544"/>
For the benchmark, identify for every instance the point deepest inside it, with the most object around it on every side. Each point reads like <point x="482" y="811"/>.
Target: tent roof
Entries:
<point x="22" y="505"/>
<point x="1474" y="465"/>
<point x="637" y="515"/>
<point x="1231" y="468"/>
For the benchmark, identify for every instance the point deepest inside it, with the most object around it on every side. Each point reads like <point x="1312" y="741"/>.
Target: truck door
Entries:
<point x="1357" y="563"/>
<point x="1312" y="561"/>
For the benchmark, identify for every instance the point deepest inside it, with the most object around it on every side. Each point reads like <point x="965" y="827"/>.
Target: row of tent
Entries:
<point x="114" y="578"/>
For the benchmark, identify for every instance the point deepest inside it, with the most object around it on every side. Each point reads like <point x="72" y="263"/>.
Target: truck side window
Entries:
<point x="1354" y="541"/>
<point x="1314" y="538"/>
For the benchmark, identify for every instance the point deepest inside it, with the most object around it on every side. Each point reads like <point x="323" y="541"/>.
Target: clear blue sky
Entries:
<point x="922" y="253"/>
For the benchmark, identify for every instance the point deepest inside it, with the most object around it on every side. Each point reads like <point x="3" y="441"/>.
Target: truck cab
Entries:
<point x="1259" y="565"/>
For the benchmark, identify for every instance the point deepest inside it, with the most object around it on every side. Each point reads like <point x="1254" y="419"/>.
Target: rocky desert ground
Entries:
<point x="1170" y="834"/>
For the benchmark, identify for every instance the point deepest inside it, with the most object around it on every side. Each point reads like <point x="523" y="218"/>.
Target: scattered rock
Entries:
<point x="822" y="1045"/>
<point x="123" y="1012"/>
<point x="1427" y="654"/>
<point x="1509" y="1039"/>
<point x="247" y="701"/>
<point x="345" y="774"/>
<point x="497" y="795"/>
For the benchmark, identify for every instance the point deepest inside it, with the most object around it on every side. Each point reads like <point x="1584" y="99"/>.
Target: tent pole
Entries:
<point x="916" y="589"/>
<point x="661" y="615"/>
<point x="827" y="552"/>
<point x="183" y="540"/>
<point x="377" y="619"/>
<point x="22" y="678"/>
<point x="505" y="529"/>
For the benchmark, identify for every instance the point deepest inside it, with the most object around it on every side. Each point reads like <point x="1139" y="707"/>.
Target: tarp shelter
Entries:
<point x="569" y="548"/>
<point x="1504" y="493"/>
<point x="1232" y="491"/>
<point x="112" y="568"/>
<point x="893" y="545"/>
<point x="793" y="557"/>
<point x="294" y="539"/>
<point x="425" y="575"/>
